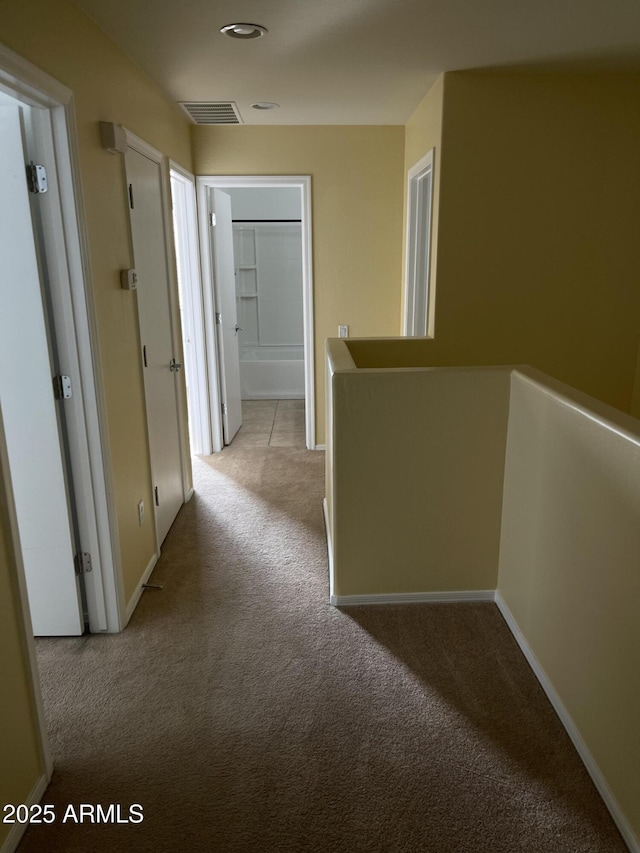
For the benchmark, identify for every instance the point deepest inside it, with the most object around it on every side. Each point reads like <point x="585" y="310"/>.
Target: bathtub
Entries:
<point x="272" y="373"/>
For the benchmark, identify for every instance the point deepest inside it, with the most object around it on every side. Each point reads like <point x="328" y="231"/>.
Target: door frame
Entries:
<point x="187" y="216"/>
<point x="137" y="144"/>
<point x="74" y="319"/>
<point x="418" y="296"/>
<point x="302" y="182"/>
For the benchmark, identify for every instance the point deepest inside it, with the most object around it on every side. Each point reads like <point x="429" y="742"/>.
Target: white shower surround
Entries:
<point x="272" y="373"/>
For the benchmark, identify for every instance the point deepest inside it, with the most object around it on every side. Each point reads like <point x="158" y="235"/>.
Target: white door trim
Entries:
<point x="222" y="182"/>
<point x="417" y="295"/>
<point x="91" y="458"/>
<point x="199" y="417"/>
<point x="142" y="147"/>
<point x="213" y="397"/>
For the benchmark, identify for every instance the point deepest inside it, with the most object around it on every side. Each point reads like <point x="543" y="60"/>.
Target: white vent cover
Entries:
<point x="212" y="112"/>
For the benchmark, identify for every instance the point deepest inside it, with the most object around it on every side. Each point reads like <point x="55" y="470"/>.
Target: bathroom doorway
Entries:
<point x="272" y="293"/>
<point x="267" y="249"/>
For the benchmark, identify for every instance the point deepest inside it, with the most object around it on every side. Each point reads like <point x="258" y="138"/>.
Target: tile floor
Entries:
<point x="271" y="423"/>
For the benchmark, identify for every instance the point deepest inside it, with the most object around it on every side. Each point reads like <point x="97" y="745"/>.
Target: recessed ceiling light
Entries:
<point x="265" y="105"/>
<point x="244" y="31"/>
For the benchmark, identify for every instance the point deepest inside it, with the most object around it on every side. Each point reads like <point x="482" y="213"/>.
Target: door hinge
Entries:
<point x="62" y="389"/>
<point x="131" y="196"/>
<point x="36" y="178"/>
<point x="218" y="319"/>
<point x="83" y="563"/>
<point x="212" y="220"/>
<point x="156" y="495"/>
<point x="224" y="408"/>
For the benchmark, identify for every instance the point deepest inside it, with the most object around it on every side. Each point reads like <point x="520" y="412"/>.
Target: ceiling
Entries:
<point x="357" y="61"/>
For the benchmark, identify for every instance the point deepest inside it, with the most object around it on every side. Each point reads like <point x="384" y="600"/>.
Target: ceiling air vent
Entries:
<point x="212" y="112"/>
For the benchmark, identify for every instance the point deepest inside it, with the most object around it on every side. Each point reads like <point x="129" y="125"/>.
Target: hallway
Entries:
<point x="245" y="714"/>
<point x="271" y="423"/>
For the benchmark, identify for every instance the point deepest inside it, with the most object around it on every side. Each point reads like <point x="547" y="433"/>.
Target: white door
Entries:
<point x="185" y="232"/>
<point x="28" y="406"/>
<point x="226" y="312"/>
<point x="160" y="368"/>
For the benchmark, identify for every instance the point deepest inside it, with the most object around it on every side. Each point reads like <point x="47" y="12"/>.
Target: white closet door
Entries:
<point x="154" y="316"/>
<point x="28" y="407"/>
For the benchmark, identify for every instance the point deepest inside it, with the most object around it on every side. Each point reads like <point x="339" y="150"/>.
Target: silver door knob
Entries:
<point x="239" y="329"/>
<point x="174" y="365"/>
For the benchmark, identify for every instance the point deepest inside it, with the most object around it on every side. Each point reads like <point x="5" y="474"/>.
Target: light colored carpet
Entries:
<point x="247" y="715"/>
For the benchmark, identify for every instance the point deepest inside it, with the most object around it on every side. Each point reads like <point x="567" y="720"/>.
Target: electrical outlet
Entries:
<point x="343" y="331"/>
<point x="141" y="513"/>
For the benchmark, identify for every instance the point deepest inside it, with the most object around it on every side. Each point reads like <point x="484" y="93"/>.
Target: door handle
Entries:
<point x="174" y="365"/>
<point x="239" y="329"/>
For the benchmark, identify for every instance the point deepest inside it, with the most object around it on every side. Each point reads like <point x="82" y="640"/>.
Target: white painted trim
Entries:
<point x="184" y="174"/>
<point x="327" y="530"/>
<point x="452" y="597"/>
<point x="199" y="415"/>
<point x="95" y="399"/>
<point x="176" y="330"/>
<point x="214" y="397"/>
<point x="68" y="302"/>
<point x="572" y="730"/>
<point x="31" y="85"/>
<point x="14" y="838"/>
<point x="143" y="147"/>
<point x="418" y="226"/>
<point x="320" y="447"/>
<point x="190" y="494"/>
<point x="137" y="595"/>
<point x="303" y="183"/>
<point x="308" y="318"/>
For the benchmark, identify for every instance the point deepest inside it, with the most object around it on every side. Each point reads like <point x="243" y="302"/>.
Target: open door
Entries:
<point x="224" y="285"/>
<point x="29" y="409"/>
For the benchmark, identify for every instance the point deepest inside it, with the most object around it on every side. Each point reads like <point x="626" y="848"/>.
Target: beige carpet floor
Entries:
<point x="245" y="714"/>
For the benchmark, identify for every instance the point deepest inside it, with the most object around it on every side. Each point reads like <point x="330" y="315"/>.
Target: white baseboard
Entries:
<point x="327" y="530"/>
<point x="414" y="597"/>
<point x="189" y="495"/>
<point x="320" y="447"/>
<point x="572" y="730"/>
<point x="17" y="831"/>
<point x="135" y="598"/>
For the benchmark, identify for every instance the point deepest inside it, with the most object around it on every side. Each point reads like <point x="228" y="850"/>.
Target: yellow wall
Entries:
<point x="422" y="133"/>
<point x="569" y="555"/>
<point x="56" y="36"/>
<point x="20" y="760"/>
<point x="357" y="191"/>
<point x="538" y="221"/>
<point x="415" y="464"/>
